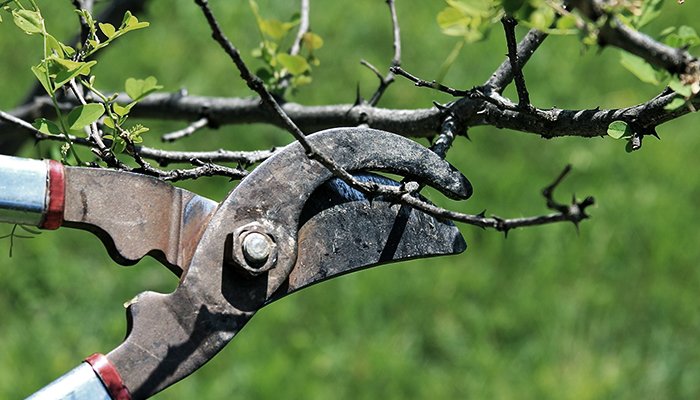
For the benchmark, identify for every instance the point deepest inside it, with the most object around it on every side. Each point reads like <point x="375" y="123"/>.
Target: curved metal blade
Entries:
<point x="342" y="231"/>
<point x="170" y="336"/>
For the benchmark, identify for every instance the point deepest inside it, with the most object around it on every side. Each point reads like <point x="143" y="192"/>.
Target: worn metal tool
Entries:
<point x="286" y="226"/>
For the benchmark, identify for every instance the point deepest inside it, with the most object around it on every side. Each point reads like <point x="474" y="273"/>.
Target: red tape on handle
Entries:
<point x="109" y="376"/>
<point x="56" y="194"/>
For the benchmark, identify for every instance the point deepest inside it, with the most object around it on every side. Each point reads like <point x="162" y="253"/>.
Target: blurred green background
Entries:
<point x="609" y="312"/>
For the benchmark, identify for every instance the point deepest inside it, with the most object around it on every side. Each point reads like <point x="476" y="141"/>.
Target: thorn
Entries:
<point x="439" y="106"/>
<point x="358" y="97"/>
<point x="482" y="214"/>
<point x="576" y="226"/>
<point x="505" y="232"/>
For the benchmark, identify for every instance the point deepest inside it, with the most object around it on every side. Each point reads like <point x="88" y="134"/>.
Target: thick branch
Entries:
<point x="475" y="110"/>
<point x="615" y="33"/>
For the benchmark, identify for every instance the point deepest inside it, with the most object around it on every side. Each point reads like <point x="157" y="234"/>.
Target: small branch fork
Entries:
<point x="509" y="24"/>
<point x="484" y="105"/>
<point x="404" y="193"/>
<point x="386" y="81"/>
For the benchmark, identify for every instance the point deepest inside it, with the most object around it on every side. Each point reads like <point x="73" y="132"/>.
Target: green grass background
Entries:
<point x="609" y="312"/>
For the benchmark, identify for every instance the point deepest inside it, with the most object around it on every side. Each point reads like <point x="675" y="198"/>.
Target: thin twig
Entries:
<point x="386" y="81"/>
<point x="189" y="130"/>
<point x="429" y="84"/>
<point x="509" y="28"/>
<point x="303" y="27"/>
<point x="202" y="169"/>
<point x="165" y="157"/>
<point x="574" y="213"/>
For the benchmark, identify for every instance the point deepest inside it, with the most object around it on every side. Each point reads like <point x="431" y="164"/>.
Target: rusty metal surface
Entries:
<point x="136" y="215"/>
<point x="342" y="231"/>
<point x="171" y="335"/>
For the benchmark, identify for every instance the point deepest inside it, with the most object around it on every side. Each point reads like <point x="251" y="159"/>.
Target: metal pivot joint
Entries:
<point x="252" y="248"/>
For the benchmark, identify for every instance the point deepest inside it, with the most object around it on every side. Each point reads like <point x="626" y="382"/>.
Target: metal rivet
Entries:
<point x="256" y="247"/>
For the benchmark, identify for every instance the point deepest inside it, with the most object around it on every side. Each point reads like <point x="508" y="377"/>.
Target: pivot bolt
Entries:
<point x="257" y="247"/>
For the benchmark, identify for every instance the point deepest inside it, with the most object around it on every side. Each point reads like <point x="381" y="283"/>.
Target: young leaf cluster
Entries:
<point x="63" y="67"/>
<point x="282" y="67"/>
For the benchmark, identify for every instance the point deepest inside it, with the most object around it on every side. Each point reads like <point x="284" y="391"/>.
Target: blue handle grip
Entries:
<point x="23" y="190"/>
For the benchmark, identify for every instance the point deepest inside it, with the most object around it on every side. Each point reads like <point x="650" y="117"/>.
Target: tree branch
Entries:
<point x="615" y="33"/>
<point x="189" y="130"/>
<point x="303" y="27"/>
<point x="509" y="28"/>
<point x="386" y="81"/>
<point x="503" y="76"/>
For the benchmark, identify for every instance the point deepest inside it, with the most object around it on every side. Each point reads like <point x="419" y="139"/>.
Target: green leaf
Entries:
<point x="109" y="122"/>
<point x="640" y="68"/>
<point x="108" y="29"/>
<point x="120" y="110"/>
<point x="46" y="126"/>
<point x="680" y="88"/>
<point x="312" y="41"/>
<point x="273" y="28"/>
<point x="41" y="74"/>
<point x="28" y="21"/>
<point x="84" y="115"/>
<point x="472" y="7"/>
<point x="295" y="65"/>
<point x="619" y="129"/>
<point x="542" y="19"/>
<point x="118" y="145"/>
<point x="131" y="23"/>
<point x="55" y="46"/>
<point x="301" y="80"/>
<point x="566" y="22"/>
<point x="63" y="70"/>
<point x="137" y="89"/>
<point x="650" y="10"/>
<point x="675" y="104"/>
<point x="453" y="22"/>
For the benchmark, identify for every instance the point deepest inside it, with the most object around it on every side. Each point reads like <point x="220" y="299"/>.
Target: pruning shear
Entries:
<point x="288" y="225"/>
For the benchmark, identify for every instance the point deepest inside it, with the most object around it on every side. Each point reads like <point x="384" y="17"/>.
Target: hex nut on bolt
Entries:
<point x="256" y="248"/>
<point x="253" y="248"/>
